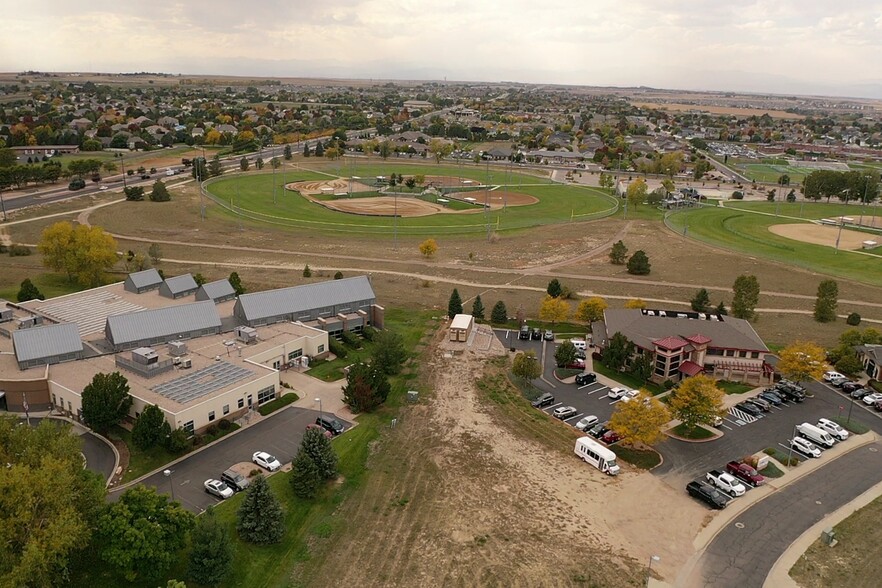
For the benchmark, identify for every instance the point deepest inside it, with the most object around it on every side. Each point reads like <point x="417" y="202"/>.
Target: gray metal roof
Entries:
<point x="273" y="303"/>
<point x="218" y="289"/>
<point x="178" y="284"/>
<point x="643" y="329"/>
<point x="145" y="278"/>
<point x="162" y="322"/>
<point x="48" y="341"/>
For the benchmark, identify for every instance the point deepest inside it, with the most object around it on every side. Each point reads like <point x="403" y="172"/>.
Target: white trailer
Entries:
<point x="597" y="455"/>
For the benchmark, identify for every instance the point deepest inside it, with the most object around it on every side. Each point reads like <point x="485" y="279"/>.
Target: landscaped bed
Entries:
<point x="696" y="433"/>
<point x="645" y="459"/>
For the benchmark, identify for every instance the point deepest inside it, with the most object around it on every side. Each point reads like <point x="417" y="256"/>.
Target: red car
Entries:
<point x="610" y="437"/>
<point x="578" y="364"/>
<point x="327" y="433"/>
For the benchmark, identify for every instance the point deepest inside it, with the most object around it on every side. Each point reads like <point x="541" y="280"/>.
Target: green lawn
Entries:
<point x="627" y="379"/>
<point x="641" y="458"/>
<point x="852" y="426"/>
<point x="252" y="194"/>
<point x="280" y="402"/>
<point x="772" y="471"/>
<point x="141" y="461"/>
<point x="734" y="387"/>
<point x="736" y="227"/>
<point x="697" y="432"/>
<point x="49" y="284"/>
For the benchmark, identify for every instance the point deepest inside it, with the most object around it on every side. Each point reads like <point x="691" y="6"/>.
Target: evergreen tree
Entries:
<point x="29" y="292"/>
<point x="319" y="449"/>
<point x="499" y="314"/>
<point x="454" y="305"/>
<point x="306" y="152"/>
<point x="214" y="168"/>
<point x="307" y="273"/>
<point x="478" y="308"/>
<point x="388" y="353"/>
<point x="134" y="193"/>
<point x="618" y="253"/>
<point x="287" y="152"/>
<point x="258" y="163"/>
<point x="147" y="430"/>
<point x="243" y="164"/>
<point x="319" y="149"/>
<point x="236" y="283"/>
<point x="746" y="296"/>
<point x="638" y="264"/>
<point x="159" y="192"/>
<point x="260" y="515"/>
<point x="211" y="555"/>
<point x="701" y="301"/>
<point x="721" y="309"/>
<point x="305" y="478"/>
<point x="554" y="289"/>
<point x="828" y="298"/>
<point x="200" y="169"/>
<point x="366" y="388"/>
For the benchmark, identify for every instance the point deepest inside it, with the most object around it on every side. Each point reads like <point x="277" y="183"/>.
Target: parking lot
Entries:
<point x="744" y="434"/>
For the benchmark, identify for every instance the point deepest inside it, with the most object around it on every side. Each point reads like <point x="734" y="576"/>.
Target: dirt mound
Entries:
<point x="334" y="186"/>
<point x="384" y="206"/>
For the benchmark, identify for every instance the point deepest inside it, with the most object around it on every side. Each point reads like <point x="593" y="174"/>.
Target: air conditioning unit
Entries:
<point x="145" y="356"/>
<point x="177" y="348"/>
<point x="246" y="334"/>
<point x="176" y="361"/>
<point x="5" y="315"/>
<point x="186" y="363"/>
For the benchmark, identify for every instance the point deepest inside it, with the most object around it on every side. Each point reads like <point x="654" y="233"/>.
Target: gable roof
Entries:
<point x="671" y="342"/>
<point x="272" y="303"/>
<point x="45" y="342"/>
<point x="643" y="328"/>
<point x="182" y="283"/>
<point x="218" y="289"/>
<point x="145" y="278"/>
<point x="162" y="322"/>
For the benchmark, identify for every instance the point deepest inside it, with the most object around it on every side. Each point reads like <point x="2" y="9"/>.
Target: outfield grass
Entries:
<point x="736" y="227"/>
<point x="252" y="194"/>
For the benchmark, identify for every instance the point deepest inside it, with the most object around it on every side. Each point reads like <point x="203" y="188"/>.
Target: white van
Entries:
<point x="579" y="344"/>
<point x="813" y="433"/>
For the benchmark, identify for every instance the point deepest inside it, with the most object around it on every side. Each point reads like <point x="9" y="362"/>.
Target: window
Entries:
<point x="54" y="401"/>
<point x="265" y="395"/>
<point x="295" y="354"/>
<point x="210" y="416"/>
<point x="189" y="428"/>
<point x="321" y="348"/>
<point x="241" y="403"/>
<point x="277" y="364"/>
<point x="755" y="355"/>
<point x="226" y="409"/>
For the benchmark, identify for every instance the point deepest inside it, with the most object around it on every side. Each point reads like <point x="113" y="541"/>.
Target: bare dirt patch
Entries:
<point x="822" y="235"/>
<point x="334" y="186"/>
<point x="385" y="206"/>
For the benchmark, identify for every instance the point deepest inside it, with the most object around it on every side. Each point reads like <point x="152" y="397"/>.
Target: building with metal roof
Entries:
<point x="680" y="344"/>
<point x="51" y="344"/>
<point x="218" y="291"/>
<point x="178" y="286"/>
<point x="160" y="325"/>
<point x="144" y="281"/>
<point x="333" y="306"/>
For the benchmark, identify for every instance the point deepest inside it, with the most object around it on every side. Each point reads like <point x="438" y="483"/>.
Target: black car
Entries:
<point x="331" y="424"/>
<point x="849" y="387"/>
<point x="751" y="409"/>
<point x="793" y="385"/>
<point x="760" y="403"/>
<point x="790" y="393"/>
<point x="525" y="332"/>
<point x="860" y="393"/>
<point x="585" y="379"/>
<point x="597" y="431"/>
<point x="771" y="397"/>
<point x="77" y="184"/>
<point x="707" y="494"/>
<point x="544" y="400"/>
<point x="536" y="335"/>
<point x="234" y="480"/>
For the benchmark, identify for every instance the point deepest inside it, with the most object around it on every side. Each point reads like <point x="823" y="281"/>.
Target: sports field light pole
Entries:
<point x="171" y="483"/>
<point x="649" y="570"/>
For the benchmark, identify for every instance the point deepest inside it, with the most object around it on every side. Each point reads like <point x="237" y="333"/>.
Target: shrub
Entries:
<point x="224" y="425"/>
<point x="369" y="333"/>
<point x="211" y="431"/>
<point x="349" y="338"/>
<point x="19" y="250"/>
<point x="337" y="349"/>
<point x="176" y="442"/>
<point x="738" y="195"/>
<point x="854" y="319"/>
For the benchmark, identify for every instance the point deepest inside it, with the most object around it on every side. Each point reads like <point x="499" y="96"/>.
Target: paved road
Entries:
<point x="743" y="553"/>
<point x="278" y="434"/>
<point x="99" y="457"/>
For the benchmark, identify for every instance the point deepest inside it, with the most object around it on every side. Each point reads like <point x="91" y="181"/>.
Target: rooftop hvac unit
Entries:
<point x="145" y="356"/>
<point x="177" y="348"/>
<point x="5" y="315"/>
<point x="246" y="334"/>
<point x="27" y="322"/>
<point x="186" y="363"/>
<point x="176" y="361"/>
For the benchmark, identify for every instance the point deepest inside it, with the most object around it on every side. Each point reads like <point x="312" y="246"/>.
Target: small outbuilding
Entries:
<point x="461" y="326"/>
<point x="217" y="292"/>
<point x="144" y="281"/>
<point x="178" y="286"/>
<point x="39" y="346"/>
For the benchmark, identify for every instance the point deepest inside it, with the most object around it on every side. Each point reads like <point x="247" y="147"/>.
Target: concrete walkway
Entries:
<point x="309" y="389"/>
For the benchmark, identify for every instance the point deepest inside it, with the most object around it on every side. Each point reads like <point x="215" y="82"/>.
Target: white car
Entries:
<point x="617" y="393"/>
<point x="630" y="394"/>
<point x="218" y="488"/>
<point x="265" y="460"/>
<point x="564" y="412"/>
<point x="103" y="188"/>
<point x="832" y="428"/>
<point x="832" y="375"/>
<point x="805" y="446"/>
<point x="587" y="422"/>
<point x="871" y="399"/>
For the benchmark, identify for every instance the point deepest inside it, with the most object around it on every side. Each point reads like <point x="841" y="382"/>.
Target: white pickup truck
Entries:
<point x="726" y="482"/>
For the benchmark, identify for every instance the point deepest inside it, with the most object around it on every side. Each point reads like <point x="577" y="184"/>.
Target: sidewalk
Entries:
<point x="309" y="389"/>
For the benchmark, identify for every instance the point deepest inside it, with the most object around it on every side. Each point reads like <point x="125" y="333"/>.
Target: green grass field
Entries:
<point x="253" y="195"/>
<point x="738" y="227"/>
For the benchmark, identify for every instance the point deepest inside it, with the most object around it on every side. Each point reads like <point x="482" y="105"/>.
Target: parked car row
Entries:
<point x="718" y="487"/>
<point x="811" y="440"/>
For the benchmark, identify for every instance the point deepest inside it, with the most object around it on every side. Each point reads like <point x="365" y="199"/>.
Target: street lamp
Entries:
<point x="171" y="484"/>
<point x="321" y="413"/>
<point x="790" y="453"/>
<point x="654" y="558"/>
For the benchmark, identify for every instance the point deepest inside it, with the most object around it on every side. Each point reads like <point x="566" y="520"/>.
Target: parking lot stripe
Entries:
<point x="727" y="427"/>
<point x="548" y="409"/>
<point x="573" y="417"/>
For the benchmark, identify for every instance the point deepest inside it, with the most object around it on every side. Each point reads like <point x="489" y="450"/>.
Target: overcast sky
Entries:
<point x="831" y="47"/>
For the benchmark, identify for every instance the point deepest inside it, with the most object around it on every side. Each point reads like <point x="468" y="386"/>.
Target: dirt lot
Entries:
<point x="822" y="235"/>
<point x="458" y="497"/>
<point x="677" y="107"/>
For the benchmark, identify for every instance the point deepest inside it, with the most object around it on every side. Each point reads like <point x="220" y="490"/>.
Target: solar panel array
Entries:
<point x="89" y="311"/>
<point x="202" y="382"/>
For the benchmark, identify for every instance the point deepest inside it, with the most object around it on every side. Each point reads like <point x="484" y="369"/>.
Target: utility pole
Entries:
<point x="3" y="204"/>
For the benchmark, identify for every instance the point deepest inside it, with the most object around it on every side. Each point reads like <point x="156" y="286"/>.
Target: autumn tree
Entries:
<point x="428" y="247"/>
<point x="635" y="303"/>
<point x="671" y="164"/>
<point x="439" y="148"/>
<point x="526" y="366"/>
<point x="142" y="534"/>
<point x="106" y="401"/>
<point x="696" y="401"/>
<point x="499" y="315"/>
<point x="701" y="301"/>
<point x="478" y="308"/>
<point x="801" y="360"/>
<point x="636" y="192"/>
<point x="591" y="309"/>
<point x="82" y="252"/>
<point x="745" y="297"/>
<point x="828" y="298"/>
<point x="454" y="305"/>
<point x="553" y="310"/>
<point x="638" y="264"/>
<point x="618" y="253"/>
<point x="640" y="420"/>
<point x="260" y="518"/>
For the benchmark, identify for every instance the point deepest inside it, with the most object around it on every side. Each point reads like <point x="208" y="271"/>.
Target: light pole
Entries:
<point x="790" y="453"/>
<point x="171" y="483"/>
<point x="653" y="558"/>
<point x="321" y="413"/>
<point x="842" y="220"/>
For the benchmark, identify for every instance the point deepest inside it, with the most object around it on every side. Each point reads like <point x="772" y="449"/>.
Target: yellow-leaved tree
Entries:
<point x="554" y="310"/>
<point x="802" y="360"/>
<point x="697" y="400"/>
<point x="428" y="247"/>
<point x="635" y="303"/>
<point x="639" y="421"/>
<point x="591" y="309"/>
<point x="83" y="252"/>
